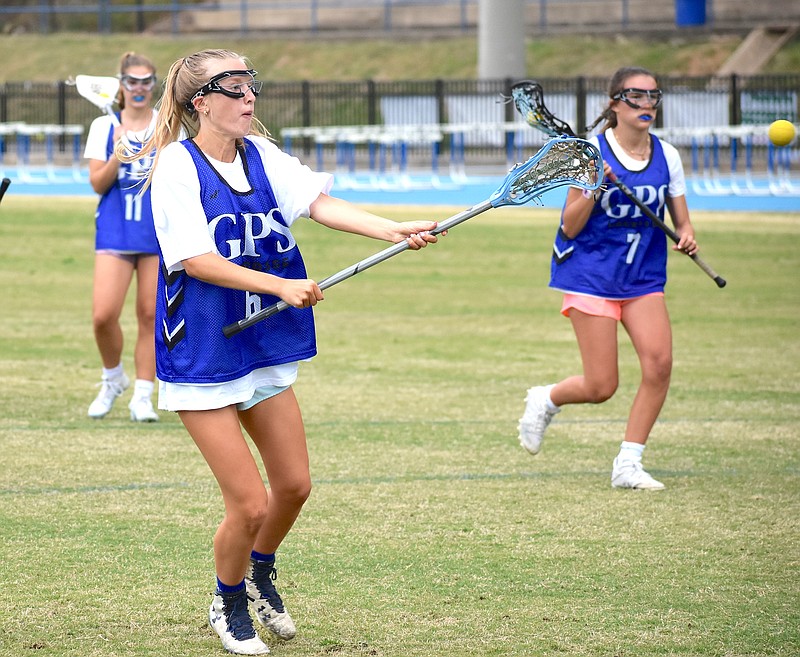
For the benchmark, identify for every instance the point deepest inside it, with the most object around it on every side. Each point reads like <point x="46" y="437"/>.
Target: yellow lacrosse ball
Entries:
<point x="781" y="132"/>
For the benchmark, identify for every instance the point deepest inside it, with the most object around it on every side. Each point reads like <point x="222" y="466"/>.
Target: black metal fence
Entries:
<point x="690" y="102"/>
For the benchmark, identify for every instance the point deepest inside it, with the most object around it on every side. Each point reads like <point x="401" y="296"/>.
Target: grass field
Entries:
<point x="29" y="56"/>
<point x="430" y="532"/>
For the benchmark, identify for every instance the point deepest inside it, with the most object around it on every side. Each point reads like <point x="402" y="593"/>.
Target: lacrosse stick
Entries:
<point x="528" y="97"/>
<point x="3" y="187"/>
<point x="100" y="92"/>
<point x="561" y="161"/>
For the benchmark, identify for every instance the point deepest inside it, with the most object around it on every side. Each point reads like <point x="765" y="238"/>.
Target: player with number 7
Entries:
<point x="609" y="260"/>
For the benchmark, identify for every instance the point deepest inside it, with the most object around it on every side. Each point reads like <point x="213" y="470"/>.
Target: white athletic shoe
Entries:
<point x="142" y="410"/>
<point x="631" y="474"/>
<point x="265" y="601"/>
<point x="230" y="619"/>
<point x="536" y="418"/>
<point x="110" y="389"/>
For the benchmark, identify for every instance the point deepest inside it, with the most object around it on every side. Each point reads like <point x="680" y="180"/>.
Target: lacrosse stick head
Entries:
<point x="100" y="91"/>
<point x="528" y="97"/>
<point x="561" y="161"/>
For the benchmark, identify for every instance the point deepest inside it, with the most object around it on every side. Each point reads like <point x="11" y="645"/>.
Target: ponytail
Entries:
<point x="174" y="119"/>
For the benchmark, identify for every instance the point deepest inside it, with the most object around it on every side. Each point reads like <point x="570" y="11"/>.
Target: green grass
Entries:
<point x="30" y="56"/>
<point x="430" y="532"/>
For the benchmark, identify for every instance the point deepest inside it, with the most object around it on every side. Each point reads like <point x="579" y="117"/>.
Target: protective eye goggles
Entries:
<point x="131" y="82"/>
<point x="635" y="97"/>
<point x="230" y="88"/>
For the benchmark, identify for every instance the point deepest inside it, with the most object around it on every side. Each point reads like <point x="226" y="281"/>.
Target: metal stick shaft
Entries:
<point x="721" y="282"/>
<point x="352" y="270"/>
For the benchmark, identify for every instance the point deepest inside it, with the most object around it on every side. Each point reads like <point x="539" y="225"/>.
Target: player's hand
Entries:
<point x="300" y="292"/>
<point x="608" y="172"/>
<point x="119" y="131"/>
<point x="687" y="244"/>
<point x="417" y="233"/>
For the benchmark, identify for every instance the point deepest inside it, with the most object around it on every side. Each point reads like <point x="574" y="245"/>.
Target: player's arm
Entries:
<point x="103" y="168"/>
<point x="342" y="215"/>
<point x="103" y="174"/>
<point x="213" y="268"/>
<point x="578" y="207"/>
<point x="576" y="212"/>
<point x="676" y="201"/>
<point x="679" y="211"/>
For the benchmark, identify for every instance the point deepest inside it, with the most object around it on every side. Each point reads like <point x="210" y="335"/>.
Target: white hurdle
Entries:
<point x="7" y="130"/>
<point x="38" y="141"/>
<point x="387" y="150"/>
<point x="719" y="160"/>
<point x="736" y="160"/>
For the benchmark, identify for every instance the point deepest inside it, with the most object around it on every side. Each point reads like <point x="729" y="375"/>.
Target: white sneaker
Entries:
<point x="142" y="410"/>
<point x="536" y="418"/>
<point x="110" y="389"/>
<point x="631" y="474"/>
<point x="230" y="619"/>
<point x="265" y="601"/>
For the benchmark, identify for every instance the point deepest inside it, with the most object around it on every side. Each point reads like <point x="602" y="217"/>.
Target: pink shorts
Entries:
<point x="599" y="307"/>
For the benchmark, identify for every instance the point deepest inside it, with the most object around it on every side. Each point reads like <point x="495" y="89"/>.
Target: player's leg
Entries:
<point x="219" y="437"/>
<point x="112" y="278"/>
<point x="597" y="343"/>
<point x="144" y="355"/>
<point x="596" y="332"/>
<point x="276" y="427"/>
<point x="647" y="322"/>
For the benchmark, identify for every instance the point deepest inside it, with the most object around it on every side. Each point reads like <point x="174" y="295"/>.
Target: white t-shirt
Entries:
<point x="182" y="231"/>
<point x="97" y="139"/>
<point x="677" y="179"/>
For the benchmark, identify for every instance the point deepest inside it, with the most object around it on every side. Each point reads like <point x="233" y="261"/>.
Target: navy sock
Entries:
<point x="225" y="588"/>
<point x="260" y="556"/>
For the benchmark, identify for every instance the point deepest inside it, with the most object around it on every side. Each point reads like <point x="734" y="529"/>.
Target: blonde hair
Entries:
<point x="128" y="61"/>
<point x="184" y="78"/>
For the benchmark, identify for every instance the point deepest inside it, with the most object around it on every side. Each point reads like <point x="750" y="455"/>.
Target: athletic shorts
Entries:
<point x="132" y="258"/>
<point x="598" y="307"/>
<point x="262" y="393"/>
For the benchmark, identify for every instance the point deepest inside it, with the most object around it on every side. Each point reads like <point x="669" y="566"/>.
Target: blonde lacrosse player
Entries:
<point x="224" y="201"/>
<point x="125" y="241"/>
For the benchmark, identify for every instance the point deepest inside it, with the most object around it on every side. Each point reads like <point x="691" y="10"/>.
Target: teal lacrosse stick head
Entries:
<point x="561" y="161"/>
